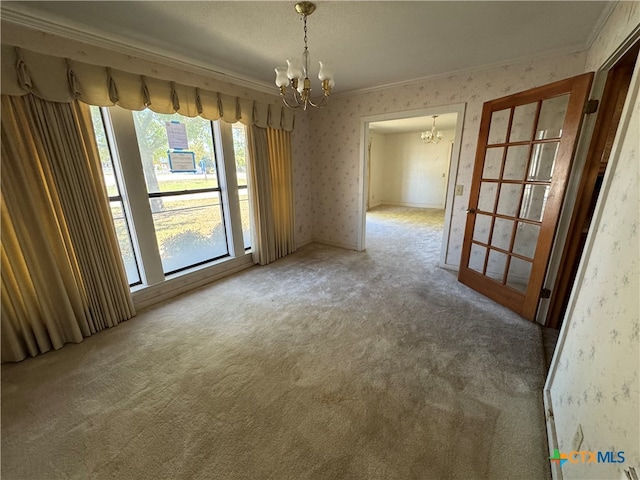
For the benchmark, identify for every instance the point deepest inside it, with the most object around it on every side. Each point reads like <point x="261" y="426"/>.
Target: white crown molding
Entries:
<point x="503" y="63"/>
<point x="597" y="28"/>
<point x="144" y="52"/>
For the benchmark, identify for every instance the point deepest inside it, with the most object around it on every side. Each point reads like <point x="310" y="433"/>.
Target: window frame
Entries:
<point x="120" y="129"/>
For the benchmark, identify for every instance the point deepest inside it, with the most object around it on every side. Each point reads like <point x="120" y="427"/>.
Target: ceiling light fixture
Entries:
<point x="297" y="73"/>
<point x="432" y="136"/>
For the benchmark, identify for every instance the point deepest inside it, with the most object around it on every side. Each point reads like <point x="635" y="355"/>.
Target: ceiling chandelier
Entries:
<point x="431" y="136"/>
<point x="296" y="74"/>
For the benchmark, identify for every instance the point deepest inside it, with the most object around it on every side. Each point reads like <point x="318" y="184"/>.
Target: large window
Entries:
<point x="181" y="174"/>
<point x="177" y="188"/>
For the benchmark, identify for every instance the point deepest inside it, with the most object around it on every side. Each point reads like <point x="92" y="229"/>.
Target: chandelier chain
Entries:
<point x="306" y="48"/>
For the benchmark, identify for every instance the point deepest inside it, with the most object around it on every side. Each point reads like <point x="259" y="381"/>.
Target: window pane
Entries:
<point x="244" y="214"/>
<point x="190" y="230"/>
<point x="487" y="198"/>
<point x="481" y="228"/>
<point x="552" y="114"/>
<point x="240" y="154"/>
<point x="477" y="257"/>
<point x="124" y="240"/>
<point x="492" y="163"/>
<point x="105" y="155"/>
<point x="498" y="127"/>
<point x="120" y="221"/>
<point x="522" y="123"/>
<point x="177" y="152"/>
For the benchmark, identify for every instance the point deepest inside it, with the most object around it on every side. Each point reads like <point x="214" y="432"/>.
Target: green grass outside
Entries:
<point x="201" y="216"/>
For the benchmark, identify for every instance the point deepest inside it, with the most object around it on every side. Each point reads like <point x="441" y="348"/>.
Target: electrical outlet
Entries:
<point x="459" y="189"/>
<point x="577" y="439"/>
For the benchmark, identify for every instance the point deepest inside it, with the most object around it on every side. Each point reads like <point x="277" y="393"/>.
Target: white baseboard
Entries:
<point x="412" y="205"/>
<point x="152" y="294"/>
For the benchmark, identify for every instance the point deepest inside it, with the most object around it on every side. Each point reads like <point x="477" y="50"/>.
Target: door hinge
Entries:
<point x="591" y="107"/>
<point x="545" y="293"/>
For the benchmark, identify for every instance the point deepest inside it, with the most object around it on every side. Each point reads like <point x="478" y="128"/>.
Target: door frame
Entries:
<point x="574" y="189"/>
<point x="585" y="140"/>
<point x="452" y="174"/>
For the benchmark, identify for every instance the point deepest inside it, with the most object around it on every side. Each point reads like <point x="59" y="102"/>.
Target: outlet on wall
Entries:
<point x="459" y="189"/>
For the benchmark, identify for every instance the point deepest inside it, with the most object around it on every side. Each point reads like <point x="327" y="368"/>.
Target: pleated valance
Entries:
<point x="63" y="80"/>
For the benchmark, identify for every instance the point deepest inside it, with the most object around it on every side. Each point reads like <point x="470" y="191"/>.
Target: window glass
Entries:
<point x="240" y="153"/>
<point x="177" y="152"/>
<point x="181" y="174"/>
<point x="120" y="220"/>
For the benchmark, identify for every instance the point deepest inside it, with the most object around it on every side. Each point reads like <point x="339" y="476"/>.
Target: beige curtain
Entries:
<point x="62" y="276"/>
<point x="271" y="187"/>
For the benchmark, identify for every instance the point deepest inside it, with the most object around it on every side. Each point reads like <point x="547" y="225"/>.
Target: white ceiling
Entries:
<point x="369" y="43"/>
<point x="446" y="121"/>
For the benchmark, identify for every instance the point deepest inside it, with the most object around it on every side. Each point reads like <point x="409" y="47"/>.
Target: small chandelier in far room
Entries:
<point x="297" y="73"/>
<point x="432" y="136"/>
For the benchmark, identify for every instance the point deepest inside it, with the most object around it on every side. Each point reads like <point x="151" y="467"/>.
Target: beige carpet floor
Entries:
<point x="328" y="364"/>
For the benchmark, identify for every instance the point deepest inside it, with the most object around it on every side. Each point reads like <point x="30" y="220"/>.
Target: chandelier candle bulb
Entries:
<point x="326" y="72"/>
<point x="294" y="72"/>
<point x="282" y="80"/>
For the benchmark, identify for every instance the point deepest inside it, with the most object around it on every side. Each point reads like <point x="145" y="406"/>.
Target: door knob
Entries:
<point x="471" y="210"/>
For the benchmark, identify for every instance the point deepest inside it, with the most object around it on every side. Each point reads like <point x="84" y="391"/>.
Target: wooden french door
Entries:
<point x="525" y="150"/>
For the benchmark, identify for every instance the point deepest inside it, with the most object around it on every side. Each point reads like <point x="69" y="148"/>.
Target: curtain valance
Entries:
<point x="63" y="80"/>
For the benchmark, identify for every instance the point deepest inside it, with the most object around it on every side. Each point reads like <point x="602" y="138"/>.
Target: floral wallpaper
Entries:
<point x="335" y="143"/>
<point x="302" y="181"/>
<point x="622" y="21"/>
<point x="596" y="383"/>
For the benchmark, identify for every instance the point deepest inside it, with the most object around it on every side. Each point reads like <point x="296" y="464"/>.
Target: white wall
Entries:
<point x="377" y="168"/>
<point x="415" y="173"/>
<point x="593" y="381"/>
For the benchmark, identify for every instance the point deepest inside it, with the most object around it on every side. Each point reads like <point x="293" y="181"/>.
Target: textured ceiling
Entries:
<point x="369" y="43"/>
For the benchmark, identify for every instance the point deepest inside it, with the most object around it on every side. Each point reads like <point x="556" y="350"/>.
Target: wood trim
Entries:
<point x="610" y="111"/>
<point x="526" y="304"/>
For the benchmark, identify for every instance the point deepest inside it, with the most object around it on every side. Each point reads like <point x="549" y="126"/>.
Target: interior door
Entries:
<point x="525" y="150"/>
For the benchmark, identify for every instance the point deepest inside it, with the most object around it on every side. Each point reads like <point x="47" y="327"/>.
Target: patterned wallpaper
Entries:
<point x="335" y="144"/>
<point x="596" y="384"/>
<point x="621" y="22"/>
<point x="302" y="180"/>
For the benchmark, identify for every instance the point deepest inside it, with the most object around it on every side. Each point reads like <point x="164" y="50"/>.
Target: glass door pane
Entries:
<point x="518" y="166"/>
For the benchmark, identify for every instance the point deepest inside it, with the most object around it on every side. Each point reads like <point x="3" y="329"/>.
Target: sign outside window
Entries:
<point x="181" y="161"/>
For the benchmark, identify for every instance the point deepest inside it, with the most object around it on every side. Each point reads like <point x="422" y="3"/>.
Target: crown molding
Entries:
<point x="144" y="52"/>
<point x="580" y="48"/>
<point x="599" y="25"/>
